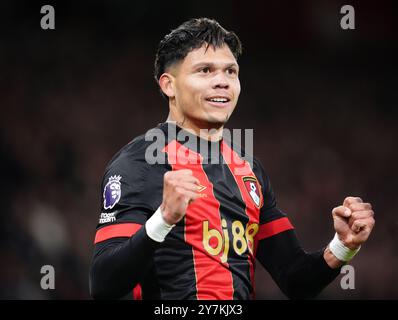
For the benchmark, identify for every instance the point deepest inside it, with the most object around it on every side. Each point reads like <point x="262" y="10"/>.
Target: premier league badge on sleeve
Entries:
<point x="112" y="192"/>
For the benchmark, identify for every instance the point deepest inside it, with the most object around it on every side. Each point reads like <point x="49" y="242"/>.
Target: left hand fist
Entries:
<point x="353" y="221"/>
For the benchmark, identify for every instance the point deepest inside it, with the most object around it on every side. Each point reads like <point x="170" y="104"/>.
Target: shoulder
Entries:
<point x="134" y="151"/>
<point x="133" y="154"/>
<point x="131" y="165"/>
<point x="259" y="171"/>
<point x="130" y="182"/>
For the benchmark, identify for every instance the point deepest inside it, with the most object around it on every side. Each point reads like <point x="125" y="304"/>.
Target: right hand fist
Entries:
<point x="180" y="188"/>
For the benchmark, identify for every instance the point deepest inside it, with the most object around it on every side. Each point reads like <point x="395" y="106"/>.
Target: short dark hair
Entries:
<point x="189" y="36"/>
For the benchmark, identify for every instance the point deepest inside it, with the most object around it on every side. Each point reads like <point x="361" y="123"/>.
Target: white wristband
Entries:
<point x="156" y="228"/>
<point x="340" y="251"/>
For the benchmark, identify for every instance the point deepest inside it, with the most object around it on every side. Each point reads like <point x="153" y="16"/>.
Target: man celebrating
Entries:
<point x="192" y="227"/>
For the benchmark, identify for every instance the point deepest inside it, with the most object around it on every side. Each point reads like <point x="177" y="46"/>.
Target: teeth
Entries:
<point x="218" y="100"/>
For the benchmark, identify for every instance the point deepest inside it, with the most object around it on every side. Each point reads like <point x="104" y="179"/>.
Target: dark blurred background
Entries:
<point x="322" y="102"/>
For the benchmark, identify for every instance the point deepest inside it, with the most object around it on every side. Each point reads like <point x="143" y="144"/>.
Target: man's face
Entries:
<point x="206" y="86"/>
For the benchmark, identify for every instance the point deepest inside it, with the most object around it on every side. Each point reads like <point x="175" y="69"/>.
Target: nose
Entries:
<point x="220" y="81"/>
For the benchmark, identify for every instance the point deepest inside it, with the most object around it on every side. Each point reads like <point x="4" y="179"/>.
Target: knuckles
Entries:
<point x="176" y="175"/>
<point x="362" y="215"/>
<point x="167" y="175"/>
<point x="360" y="206"/>
<point x="351" y="200"/>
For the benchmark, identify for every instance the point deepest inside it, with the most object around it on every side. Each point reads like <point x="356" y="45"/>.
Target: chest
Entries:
<point x="226" y="213"/>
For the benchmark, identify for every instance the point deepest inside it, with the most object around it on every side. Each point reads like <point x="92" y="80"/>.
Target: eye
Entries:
<point x="232" y="71"/>
<point x="205" y="70"/>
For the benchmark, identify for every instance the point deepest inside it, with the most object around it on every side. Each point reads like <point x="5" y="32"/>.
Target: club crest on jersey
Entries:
<point x="112" y="192"/>
<point x="253" y="188"/>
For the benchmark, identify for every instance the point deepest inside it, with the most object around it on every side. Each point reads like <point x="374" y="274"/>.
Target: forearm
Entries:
<point x="297" y="273"/>
<point x="119" y="264"/>
<point x="307" y="275"/>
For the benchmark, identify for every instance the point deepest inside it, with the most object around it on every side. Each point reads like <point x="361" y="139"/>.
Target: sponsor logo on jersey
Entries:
<point x="107" y="217"/>
<point x="112" y="192"/>
<point x="201" y="188"/>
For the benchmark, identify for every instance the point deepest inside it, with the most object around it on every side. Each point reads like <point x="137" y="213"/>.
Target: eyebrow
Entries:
<point x="213" y="65"/>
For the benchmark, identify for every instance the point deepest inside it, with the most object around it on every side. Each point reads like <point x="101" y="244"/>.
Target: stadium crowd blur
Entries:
<point x="322" y="102"/>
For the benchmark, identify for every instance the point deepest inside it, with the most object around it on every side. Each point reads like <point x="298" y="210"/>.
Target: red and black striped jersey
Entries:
<point x="211" y="253"/>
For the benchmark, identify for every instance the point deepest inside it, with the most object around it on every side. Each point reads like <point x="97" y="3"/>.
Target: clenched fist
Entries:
<point x="353" y="221"/>
<point x="179" y="190"/>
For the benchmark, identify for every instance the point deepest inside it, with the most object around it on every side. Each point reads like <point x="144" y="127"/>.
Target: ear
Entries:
<point x="166" y="83"/>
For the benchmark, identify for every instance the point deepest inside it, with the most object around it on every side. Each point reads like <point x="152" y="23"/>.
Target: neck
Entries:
<point x="202" y="129"/>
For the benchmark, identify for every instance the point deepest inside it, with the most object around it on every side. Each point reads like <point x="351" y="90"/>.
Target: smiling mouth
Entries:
<point x="218" y="101"/>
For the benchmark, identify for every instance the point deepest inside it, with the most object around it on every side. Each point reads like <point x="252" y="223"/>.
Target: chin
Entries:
<point x="218" y="120"/>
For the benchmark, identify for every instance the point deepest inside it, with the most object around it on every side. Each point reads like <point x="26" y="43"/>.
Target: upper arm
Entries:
<point x="130" y="193"/>
<point x="272" y="220"/>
